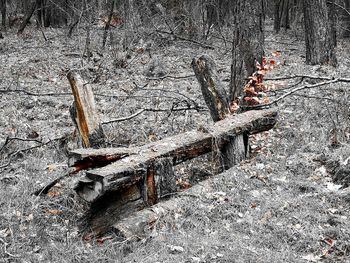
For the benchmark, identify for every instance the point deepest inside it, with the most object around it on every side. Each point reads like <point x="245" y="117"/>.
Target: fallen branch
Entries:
<point x="267" y="105"/>
<point x="35" y="94"/>
<point x="309" y="77"/>
<point x="186" y="39"/>
<point x="36" y="146"/>
<point x="172" y="77"/>
<point x="198" y="108"/>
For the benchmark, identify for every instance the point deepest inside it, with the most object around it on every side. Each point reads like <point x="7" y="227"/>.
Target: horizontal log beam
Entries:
<point x="133" y="168"/>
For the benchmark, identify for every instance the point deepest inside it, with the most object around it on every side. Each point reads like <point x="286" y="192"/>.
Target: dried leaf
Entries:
<point x="53" y="212"/>
<point x="276" y="53"/>
<point x="51" y="167"/>
<point x="101" y="240"/>
<point x="53" y="193"/>
<point x="250" y="91"/>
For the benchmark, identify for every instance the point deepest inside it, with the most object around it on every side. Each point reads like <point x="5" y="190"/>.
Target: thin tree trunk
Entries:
<point x="248" y="43"/>
<point x="3" y="13"/>
<point x="27" y="18"/>
<point x="277" y="17"/>
<point x="331" y="11"/>
<point x="318" y="37"/>
<point x="105" y="33"/>
<point x="346" y="15"/>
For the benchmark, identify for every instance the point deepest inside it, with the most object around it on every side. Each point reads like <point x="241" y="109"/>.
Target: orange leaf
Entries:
<point x="251" y="101"/>
<point x="276" y="53"/>
<point x="250" y="91"/>
<point x="54" y="194"/>
<point x="272" y="61"/>
<point x="234" y="107"/>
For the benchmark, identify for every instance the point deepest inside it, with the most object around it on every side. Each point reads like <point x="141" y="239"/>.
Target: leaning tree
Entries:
<point x="247" y="50"/>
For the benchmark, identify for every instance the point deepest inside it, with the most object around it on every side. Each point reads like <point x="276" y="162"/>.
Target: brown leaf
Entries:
<point x="51" y="167"/>
<point x="53" y="193"/>
<point x="53" y="212"/>
<point x="276" y="53"/>
<point x="32" y="135"/>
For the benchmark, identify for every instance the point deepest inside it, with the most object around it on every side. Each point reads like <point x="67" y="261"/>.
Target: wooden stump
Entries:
<point x="217" y="101"/>
<point x="213" y="92"/>
<point x="84" y="114"/>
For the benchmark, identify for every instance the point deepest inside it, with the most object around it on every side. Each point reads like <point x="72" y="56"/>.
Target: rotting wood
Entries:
<point x="136" y="225"/>
<point x="132" y="169"/>
<point x="84" y="113"/>
<point x="213" y="92"/>
<point x="217" y="101"/>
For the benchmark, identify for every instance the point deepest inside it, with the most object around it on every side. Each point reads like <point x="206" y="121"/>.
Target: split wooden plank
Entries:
<point x="132" y="169"/>
<point x="88" y="157"/>
<point x="84" y="113"/>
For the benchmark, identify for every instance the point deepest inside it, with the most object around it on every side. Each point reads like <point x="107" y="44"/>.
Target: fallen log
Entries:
<point x="142" y="177"/>
<point x="180" y="147"/>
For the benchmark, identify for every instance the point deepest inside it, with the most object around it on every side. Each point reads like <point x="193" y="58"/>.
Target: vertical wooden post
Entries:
<point x="213" y="92"/>
<point x="217" y="101"/>
<point x="84" y="113"/>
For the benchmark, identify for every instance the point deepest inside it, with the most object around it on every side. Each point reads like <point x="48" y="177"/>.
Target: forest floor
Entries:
<point x="282" y="205"/>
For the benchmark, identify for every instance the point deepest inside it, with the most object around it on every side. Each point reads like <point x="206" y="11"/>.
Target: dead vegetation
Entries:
<point x="288" y="203"/>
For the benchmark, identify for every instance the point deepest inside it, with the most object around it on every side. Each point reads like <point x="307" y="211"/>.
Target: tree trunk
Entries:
<point x="105" y="32"/>
<point x="276" y="16"/>
<point x="248" y="43"/>
<point x="213" y="92"/>
<point x="3" y="14"/>
<point x="346" y="15"/>
<point x="318" y="37"/>
<point x="332" y="20"/>
<point x="27" y="18"/>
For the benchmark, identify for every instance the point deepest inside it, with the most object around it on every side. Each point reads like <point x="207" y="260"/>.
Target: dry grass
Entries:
<point x="277" y="207"/>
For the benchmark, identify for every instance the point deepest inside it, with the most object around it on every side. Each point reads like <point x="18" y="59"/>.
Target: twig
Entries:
<point x="341" y="7"/>
<point x="7" y="164"/>
<point x="124" y="118"/>
<point x="197" y="108"/>
<point x="302" y="88"/>
<point x="45" y="189"/>
<point x="173" y="77"/>
<point x="262" y="106"/>
<point x="36" y="146"/>
<point x="186" y="39"/>
<point x="309" y="77"/>
<point x="35" y="94"/>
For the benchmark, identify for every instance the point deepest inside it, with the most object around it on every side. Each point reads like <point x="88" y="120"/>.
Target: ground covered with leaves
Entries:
<point x="290" y="202"/>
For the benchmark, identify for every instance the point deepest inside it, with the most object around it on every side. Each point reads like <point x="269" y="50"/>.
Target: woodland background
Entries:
<point x="288" y="203"/>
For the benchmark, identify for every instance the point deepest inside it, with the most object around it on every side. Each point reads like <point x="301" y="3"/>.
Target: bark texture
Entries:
<point x="213" y="92"/>
<point x="320" y="48"/>
<point x="248" y="43"/>
<point x="84" y="113"/>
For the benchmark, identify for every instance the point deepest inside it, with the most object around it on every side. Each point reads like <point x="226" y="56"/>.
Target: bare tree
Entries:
<point x="3" y="13"/>
<point x="248" y="42"/>
<point x="346" y="18"/>
<point x="318" y="33"/>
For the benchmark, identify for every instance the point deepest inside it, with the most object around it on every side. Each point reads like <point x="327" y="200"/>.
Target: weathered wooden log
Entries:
<point x="132" y="169"/>
<point x="86" y="158"/>
<point x="218" y="103"/>
<point x="213" y="92"/>
<point x="138" y="224"/>
<point x="113" y="206"/>
<point x="84" y="113"/>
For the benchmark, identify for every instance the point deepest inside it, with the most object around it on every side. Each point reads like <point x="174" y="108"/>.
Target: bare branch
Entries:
<point x="186" y="39"/>
<point x="309" y="77"/>
<point x="197" y="108"/>
<point x="262" y="106"/>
